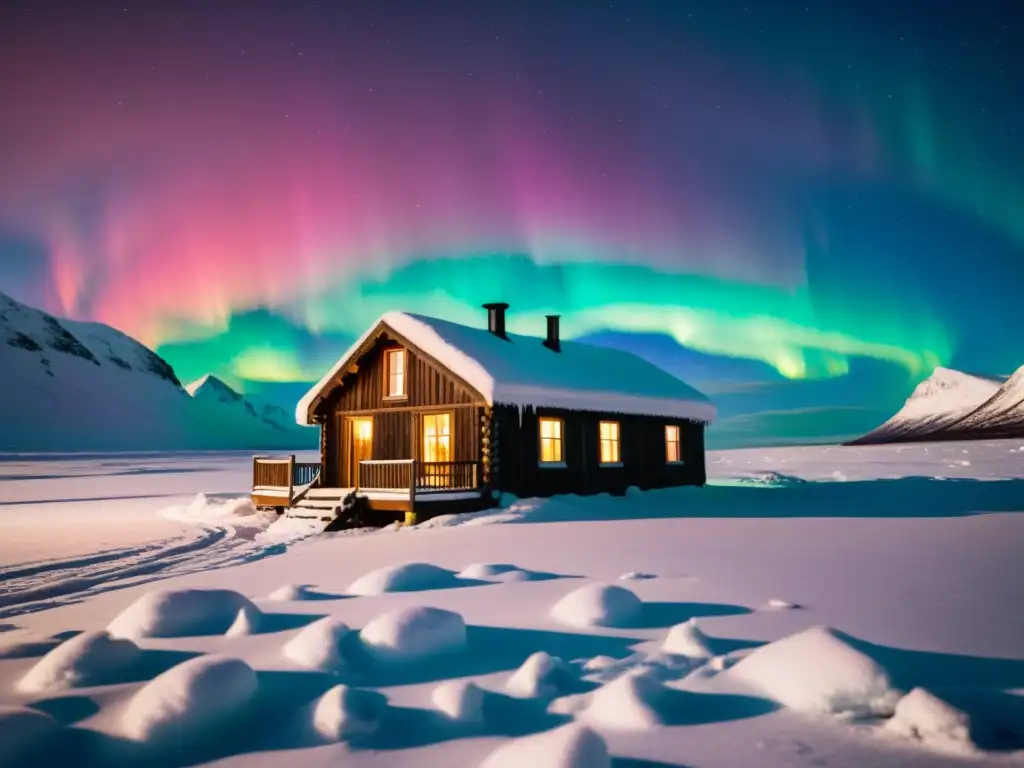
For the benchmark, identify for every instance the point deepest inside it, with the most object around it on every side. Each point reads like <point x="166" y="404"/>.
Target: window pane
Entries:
<point x="550" y="428"/>
<point x="398" y="361"/>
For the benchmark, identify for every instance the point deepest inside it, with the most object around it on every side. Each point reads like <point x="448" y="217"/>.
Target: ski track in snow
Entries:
<point x="31" y="587"/>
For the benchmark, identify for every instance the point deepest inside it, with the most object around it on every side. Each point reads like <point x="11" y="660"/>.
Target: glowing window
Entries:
<point x="437" y="437"/>
<point x="396" y="372"/>
<point x="610" y="442"/>
<point x="672" y="454"/>
<point x="551" y="441"/>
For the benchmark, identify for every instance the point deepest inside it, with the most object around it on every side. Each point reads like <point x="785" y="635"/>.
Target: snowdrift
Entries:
<point x="189" y="701"/>
<point x="181" y="613"/>
<point x="321" y="645"/>
<point x="818" y="671"/>
<point x="408" y="577"/>
<point x="414" y="634"/>
<point x="599" y="605"/>
<point x="91" y="658"/>
<point x="571" y="746"/>
<point x="343" y="712"/>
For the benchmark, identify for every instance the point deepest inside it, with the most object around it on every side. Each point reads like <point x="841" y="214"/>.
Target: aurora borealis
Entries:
<point x="800" y="207"/>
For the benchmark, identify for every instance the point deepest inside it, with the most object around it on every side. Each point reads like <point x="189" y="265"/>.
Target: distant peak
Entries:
<point x="210" y="386"/>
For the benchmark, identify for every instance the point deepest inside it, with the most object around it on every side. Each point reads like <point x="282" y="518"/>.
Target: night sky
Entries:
<point x="800" y="207"/>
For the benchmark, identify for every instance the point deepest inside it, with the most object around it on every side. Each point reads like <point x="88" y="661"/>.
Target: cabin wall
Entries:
<point x="517" y="470"/>
<point x="427" y="384"/>
<point x="397" y="430"/>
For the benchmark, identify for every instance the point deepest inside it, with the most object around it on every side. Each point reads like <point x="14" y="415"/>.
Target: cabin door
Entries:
<point x="362" y="447"/>
<point x="437" y="450"/>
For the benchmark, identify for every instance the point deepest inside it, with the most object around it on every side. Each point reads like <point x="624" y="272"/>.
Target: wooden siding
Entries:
<point x="516" y="451"/>
<point x="426" y="383"/>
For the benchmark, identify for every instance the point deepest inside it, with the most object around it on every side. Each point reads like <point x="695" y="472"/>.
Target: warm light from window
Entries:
<point x="672" y="454"/>
<point x="610" y="442"/>
<point x="363" y="429"/>
<point x="550" y="441"/>
<point x="396" y="373"/>
<point x="437" y="437"/>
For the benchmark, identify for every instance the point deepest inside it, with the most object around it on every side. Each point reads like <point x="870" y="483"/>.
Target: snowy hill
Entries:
<point x="1001" y="415"/>
<point x="77" y="386"/>
<point x="939" y="401"/>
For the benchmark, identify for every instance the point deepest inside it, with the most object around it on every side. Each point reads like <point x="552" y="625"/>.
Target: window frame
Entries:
<point x="678" y="442"/>
<point x="438" y="435"/>
<point x="388" y="374"/>
<point x="558" y="440"/>
<point x="616" y="442"/>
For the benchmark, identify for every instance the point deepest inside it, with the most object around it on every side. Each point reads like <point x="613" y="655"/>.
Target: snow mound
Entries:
<point x="781" y="605"/>
<point x="629" y="702"/>
<point x="571" y="746"/>
<point x="599" y="605"/>
<point x="542" y="675"/>
<point x="90" y="658"/>
<point x="344" y="712"/>
<point x="320" y="645"/>
<point x="687" y="639"/>
<point x="290" y="592"/>
<point x="286" y="529"/>
<point x="247" y="622"/>
<point x="237" y="513"/>
<point x="923" y="716"/>
<point x="414" y="634"/>
<point x="24" y="731"/>
<point x="484" y="571"/>
<point x="408" y="577"/>
<point x="773" y="479"/>
<point x="189" y="700"/>
<point x="461" y="700"/>
<point x="180" y="613"/>
<point x="818" y="671"/>
<point x="636" y="576"/>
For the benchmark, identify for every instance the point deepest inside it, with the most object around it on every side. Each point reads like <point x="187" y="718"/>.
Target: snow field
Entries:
<point x="704" y="669"/>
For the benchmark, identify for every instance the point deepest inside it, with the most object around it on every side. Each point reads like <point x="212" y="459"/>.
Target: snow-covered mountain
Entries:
<point x="209" y="389"/>
<point x="936" y="403"/>
<point x="1001" y="415"/>
<point x="78" y="386"/>
<point x="952" y="405"/>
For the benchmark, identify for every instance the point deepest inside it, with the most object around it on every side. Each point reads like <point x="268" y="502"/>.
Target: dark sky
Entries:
<point x="794" y="204"/>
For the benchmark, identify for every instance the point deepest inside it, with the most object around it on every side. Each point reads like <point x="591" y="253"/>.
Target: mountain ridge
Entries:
<point x="954" y="405"/>
<point x="72" y="385"/>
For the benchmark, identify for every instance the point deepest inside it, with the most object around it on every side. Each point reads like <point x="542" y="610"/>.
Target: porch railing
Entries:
<point x="421" y="477"/>
<point x="284" y="473"/>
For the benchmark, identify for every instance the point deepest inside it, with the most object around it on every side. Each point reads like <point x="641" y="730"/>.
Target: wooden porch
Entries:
<point x="397" y="485"/>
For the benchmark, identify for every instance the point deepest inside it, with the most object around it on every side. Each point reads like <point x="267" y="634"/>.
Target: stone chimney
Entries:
<point x="496" y="319"/>
<point x="552" y="342"/>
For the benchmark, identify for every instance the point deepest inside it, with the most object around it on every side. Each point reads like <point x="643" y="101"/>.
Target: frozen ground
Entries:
<point x="918" y="578"/>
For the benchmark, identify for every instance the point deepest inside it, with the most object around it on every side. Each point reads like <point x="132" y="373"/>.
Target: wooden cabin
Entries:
<point x="423" y="416"/>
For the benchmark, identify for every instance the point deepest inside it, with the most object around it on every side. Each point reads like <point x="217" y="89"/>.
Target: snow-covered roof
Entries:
<point x="522" y="371"/>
